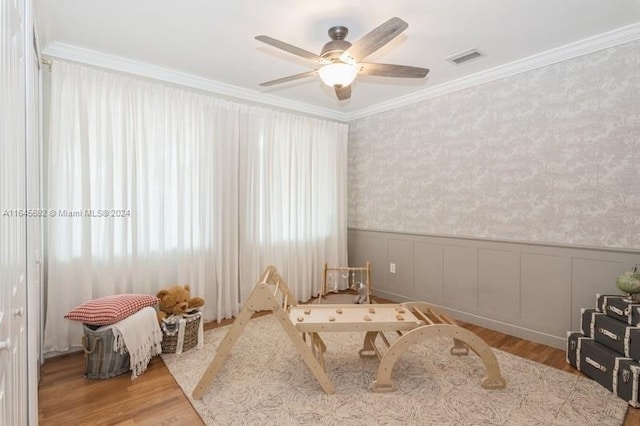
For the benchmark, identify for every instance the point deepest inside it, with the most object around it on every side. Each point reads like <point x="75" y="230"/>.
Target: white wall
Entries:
<point x="550" y="155"/>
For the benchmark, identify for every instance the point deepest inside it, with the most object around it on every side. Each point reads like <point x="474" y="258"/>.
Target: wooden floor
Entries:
<point x="66" y="397"/>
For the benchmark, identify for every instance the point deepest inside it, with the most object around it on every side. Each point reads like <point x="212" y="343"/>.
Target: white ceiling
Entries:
<point x="212" y="41"/>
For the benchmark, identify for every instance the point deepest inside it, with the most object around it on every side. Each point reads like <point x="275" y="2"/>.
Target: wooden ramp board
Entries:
<point x="349" y="317"/>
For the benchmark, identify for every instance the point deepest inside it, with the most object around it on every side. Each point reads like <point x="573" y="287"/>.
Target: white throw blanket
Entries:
<point x="139" y="334"/>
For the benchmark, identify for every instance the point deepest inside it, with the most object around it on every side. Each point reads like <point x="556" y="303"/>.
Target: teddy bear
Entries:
<point x="362" y="293"/>
<point x="176" y="300"/>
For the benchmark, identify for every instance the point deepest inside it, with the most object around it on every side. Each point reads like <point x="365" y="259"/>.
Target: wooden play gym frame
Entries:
<point x="350" y="271"/>
<point x="414" y="322"/>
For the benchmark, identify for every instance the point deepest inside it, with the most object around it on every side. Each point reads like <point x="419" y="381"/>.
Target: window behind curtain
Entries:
<point x="206" y="192"/>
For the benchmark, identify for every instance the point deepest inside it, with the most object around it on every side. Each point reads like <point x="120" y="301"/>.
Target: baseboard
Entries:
<point x="502" y="327"/>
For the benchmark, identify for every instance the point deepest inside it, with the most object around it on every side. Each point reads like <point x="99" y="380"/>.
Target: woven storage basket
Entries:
<point x="100" y="360"/>
<point x="170" y="333"/>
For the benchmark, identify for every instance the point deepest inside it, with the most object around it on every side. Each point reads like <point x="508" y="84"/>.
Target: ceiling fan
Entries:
<point x="340" y="61"/>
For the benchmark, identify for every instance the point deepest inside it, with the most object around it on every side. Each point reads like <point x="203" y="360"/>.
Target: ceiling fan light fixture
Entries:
<point x="341" y="61"/>
<point x="338" y="74"/>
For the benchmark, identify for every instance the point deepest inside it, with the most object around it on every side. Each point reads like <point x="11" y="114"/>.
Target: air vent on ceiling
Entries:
<point x="465" y="56"/>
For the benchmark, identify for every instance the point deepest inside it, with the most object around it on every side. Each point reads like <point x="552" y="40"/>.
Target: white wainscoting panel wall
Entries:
<point x="533" y="291"/>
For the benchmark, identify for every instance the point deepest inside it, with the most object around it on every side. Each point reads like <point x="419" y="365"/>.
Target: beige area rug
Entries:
<point x="265" y="382"/>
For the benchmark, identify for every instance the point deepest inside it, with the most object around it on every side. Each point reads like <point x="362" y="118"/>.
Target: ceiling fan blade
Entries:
<point x="374" y="40"/>
<point x="289" y="78"/>
<point x="292" y="49"/>
<point x="391" y="70"/>
<point x="343" y="92"/>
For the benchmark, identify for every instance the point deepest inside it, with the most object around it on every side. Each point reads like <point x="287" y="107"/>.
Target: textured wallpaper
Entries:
<point x="550" y="155"/>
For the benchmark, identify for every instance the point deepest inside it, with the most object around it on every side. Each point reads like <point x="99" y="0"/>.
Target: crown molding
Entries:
<point x="583" y="47"/>
<point x="116" y="63"/>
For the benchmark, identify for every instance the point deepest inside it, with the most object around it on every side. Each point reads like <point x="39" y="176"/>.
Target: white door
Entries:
<point x="13" y="354"/>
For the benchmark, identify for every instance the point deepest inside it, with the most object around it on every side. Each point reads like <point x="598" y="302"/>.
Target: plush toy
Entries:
<point x="362" y="293"/>
<point x="177" y="300"/>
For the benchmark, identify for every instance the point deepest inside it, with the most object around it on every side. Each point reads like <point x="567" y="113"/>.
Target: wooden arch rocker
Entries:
<point x="463" y="340"/>
<point x="413" y="322"/>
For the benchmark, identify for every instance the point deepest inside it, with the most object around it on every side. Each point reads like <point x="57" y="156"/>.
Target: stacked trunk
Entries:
<point x="607" y="348"/>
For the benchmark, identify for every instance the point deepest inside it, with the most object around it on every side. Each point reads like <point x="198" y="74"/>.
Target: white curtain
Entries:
<point x="153" y="185"/>
<point x="293" y="199"/>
